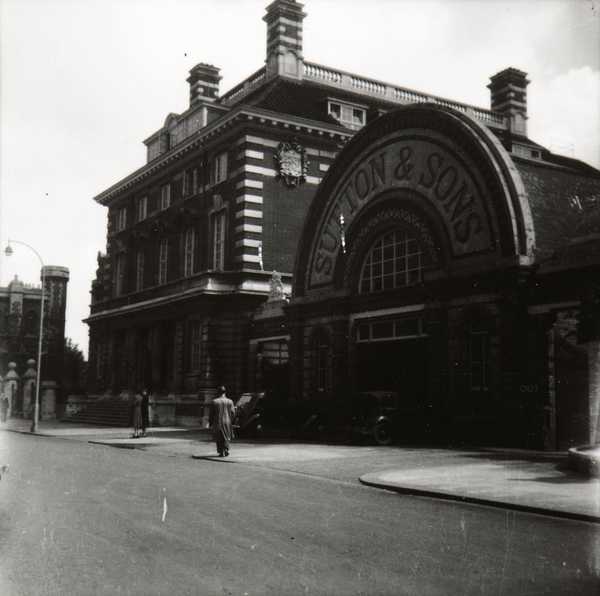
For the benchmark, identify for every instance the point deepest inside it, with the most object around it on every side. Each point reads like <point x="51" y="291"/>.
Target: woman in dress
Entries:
<point x="138" y="422"/>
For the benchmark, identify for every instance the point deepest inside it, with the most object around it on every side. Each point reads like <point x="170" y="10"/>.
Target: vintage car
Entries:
<point x="248" y="416"/>
<point x="373" y="415"/>
<point x="376" y="415"/>
<point x="267" y="415"/>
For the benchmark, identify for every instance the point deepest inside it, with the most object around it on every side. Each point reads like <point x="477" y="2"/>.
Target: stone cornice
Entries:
<point x="239" y="115"/>
<point x="247" y="282"/>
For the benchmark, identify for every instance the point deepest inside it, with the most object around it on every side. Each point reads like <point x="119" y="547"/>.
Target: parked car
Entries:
<point x="374" y="415"/>
<point x="377" y="415"/>
<point x="248" y="415"/>
<point x="264" y="414"/>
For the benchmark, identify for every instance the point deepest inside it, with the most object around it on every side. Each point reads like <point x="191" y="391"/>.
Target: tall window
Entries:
<point x="479" y="356"/>
<point x="220" y="168"/>
<point x="119" y="279"/>
<point x="142" y="208"/>
<point x="394" y="261"/>
<point x="218" y="234"/>
<point x="321" y="347"/>
<point x="185" y="184"/>
<point x="163" y="260"/>
<point x="195" y="181"/>
<point x="189" y="242"/>
<point x="165" y="196"/>
<point x="121" y="219"/>
<point x="139" y="271"/>
<point x="99" y="359"/>
<point x="198" y="335"/>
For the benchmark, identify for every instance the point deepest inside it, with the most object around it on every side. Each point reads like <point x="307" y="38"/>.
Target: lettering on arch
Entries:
<point x="434" y="171"/>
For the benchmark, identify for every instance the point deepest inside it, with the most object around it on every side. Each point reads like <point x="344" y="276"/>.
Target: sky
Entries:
<point x="84" y="82"/>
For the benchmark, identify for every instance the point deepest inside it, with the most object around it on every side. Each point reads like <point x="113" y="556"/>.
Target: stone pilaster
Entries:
<point x="178" y="357"/>
<point x="11" y="388"/>
<point x="593" y="349"/>
<point x="48" y="400"/>
<point x="29" y="378"/>
<point x="549" y="431"/>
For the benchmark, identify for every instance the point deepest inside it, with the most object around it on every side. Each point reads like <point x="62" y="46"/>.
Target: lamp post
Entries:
<point x="36" y="408"/>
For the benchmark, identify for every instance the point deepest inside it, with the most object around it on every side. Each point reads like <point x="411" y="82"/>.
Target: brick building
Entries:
<point x="19" y="327"/>
<point x="185" y="297"/>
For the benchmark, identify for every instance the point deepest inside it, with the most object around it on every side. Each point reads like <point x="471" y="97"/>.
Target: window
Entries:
<point x="119" y="279"/>
<point x="321" y="348"/>
<point x="139" y="271"/>
<point x="31" y="323"/>
<point x="220" y="168"/>
<point x="121" y="219"/>
<point x="185" y="186"/>
<point x="394" y="261"/>
<point x="189" y="242"/>
<point x="165" y="196"/>
<point x="389" y="329"/>
<point x="198" y="335"/>
<point x="142" y="208"/>
<point x="478" y="356"/>
<point x="218" y="234"/>
<point x="195" y="181"/>
<point x="99" y="351"/>
<point x="353" y="117"/>
<point x="163" y="259"/>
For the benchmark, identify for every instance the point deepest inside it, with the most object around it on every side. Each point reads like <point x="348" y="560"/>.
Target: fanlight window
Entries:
<point x="394" y="261"/>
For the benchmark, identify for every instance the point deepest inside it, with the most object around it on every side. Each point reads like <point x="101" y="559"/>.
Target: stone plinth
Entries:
<point x="48" y="400"/>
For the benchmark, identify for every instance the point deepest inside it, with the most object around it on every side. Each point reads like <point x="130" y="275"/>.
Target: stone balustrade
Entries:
<point x="393" y="93"/>
<point x="242" y="89"/>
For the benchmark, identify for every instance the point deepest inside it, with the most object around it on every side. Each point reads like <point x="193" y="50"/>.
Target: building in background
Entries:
<point x="202" y="240"/>
<point x="20" y="325"/>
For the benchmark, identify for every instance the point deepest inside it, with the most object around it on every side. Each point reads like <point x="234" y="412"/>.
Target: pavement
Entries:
<point x="522" y="480"/>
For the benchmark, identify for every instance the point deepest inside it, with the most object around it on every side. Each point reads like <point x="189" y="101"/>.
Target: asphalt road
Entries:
<point x="78" y="519"/>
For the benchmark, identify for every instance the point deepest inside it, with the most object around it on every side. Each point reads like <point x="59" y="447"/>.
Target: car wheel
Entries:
<point x="382" y="433"/>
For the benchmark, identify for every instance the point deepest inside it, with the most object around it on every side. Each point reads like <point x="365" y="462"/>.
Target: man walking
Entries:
<point x="145" y="411"/>
<point x="222" y="414"/>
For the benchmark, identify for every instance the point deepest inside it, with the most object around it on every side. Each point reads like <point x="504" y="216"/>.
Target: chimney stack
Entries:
<point x="509" y="97"/>
<point x="204" y="83"/>
<point x="284" y="39"/>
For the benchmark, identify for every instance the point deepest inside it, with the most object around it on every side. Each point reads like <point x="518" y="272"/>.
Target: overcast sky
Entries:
<point x="83" y="82"/>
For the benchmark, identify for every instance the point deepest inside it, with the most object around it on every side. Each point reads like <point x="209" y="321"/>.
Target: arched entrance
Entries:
<point x="416" y="237"/>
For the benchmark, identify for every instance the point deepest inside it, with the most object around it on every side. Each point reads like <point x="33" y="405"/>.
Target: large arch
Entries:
<point x="444" y="171"/>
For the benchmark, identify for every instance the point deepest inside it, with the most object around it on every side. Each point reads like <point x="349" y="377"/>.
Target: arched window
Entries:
<point x="31" y="323"/>
<point x="395" y="260"/>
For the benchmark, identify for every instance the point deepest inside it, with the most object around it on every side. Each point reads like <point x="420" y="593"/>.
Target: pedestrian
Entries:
<point x="145" y="411"/>
<point x="137" y="415"/>
<point x="222" y="413"/>
<point x="3" y="407"/>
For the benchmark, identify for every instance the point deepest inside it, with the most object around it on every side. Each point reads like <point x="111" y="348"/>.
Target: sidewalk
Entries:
<point x="536" y="482"/>
<point x="503" y="479"/>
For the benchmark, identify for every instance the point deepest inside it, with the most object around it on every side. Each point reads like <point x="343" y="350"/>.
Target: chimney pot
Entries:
<point x="508" y="90"/>
<point x="284" y="39"/>
<point x="204" y="83"/>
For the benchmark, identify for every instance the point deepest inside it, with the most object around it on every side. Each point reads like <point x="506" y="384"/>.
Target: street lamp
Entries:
<point x="8" y="251"/>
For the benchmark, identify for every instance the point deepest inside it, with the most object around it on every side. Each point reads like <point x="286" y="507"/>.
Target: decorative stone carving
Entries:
<point x="292" y="165"/>
<point x="276" y="291"/>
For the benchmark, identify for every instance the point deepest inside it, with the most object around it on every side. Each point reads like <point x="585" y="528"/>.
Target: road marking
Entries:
<point x="165" y="507"/>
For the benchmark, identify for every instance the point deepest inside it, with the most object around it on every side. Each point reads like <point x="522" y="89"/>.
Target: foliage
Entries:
<point x="74" y="368"/>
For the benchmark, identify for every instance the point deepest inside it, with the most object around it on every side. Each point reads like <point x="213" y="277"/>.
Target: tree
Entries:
<point x="74" y="369"/>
